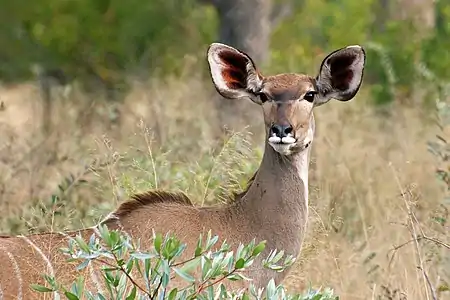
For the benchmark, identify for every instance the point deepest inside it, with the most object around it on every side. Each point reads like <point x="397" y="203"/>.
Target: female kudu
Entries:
<point x="273" y="208"/>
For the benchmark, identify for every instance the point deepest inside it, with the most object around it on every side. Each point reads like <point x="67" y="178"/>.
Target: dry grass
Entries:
<point x="367" y="172"/>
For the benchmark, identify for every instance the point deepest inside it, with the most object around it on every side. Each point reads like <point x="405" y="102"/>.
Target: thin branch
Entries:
<point x="188" y="260"/>
<point x="413" y="232"/>
<point x="156" y="290"/>
<point x="203" y="286"/>
<point x="424" y="237"/>
<point x="436" y="241"/>
<point x="433" y="291"/>
<point x="121" y="268"/>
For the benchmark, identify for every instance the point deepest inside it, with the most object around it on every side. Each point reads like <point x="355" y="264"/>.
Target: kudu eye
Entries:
<point x="309" y="96"/>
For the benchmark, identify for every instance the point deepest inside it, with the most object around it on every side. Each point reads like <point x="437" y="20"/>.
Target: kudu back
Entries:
<point x="274" y="207"/>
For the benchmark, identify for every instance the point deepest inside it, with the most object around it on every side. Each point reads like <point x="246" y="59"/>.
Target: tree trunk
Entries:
<point x="245" y="25"/>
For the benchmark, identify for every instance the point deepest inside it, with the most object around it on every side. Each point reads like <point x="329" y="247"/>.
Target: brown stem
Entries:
<point x="130" y="278"/>
<point x="186" y="261"/>
<point x="156" y="290"/>
<point x="422" y="237"/>
<point x="202" y="286"/>
<point x="430" y="285"/>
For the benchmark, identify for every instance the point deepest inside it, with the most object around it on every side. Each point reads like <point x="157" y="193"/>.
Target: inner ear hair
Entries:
<point x="340" y="74"/>
<point x="233" y="72"/>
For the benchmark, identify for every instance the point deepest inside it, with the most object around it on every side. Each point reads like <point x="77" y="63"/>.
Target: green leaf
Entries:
<point x="41" y="288"/>
<point x="132" y="295"/>
<point x="83" y="265"/>
<point x="270" y="288"/>
<point x="235" y="277"/>
<point x="142" y="256"/>
<point x="184" y="275"/>
<point x="239" y="250"/>
<point x="278" y="256"/>
<point x="198" y="248"/>
<point x="158" y="242"/>
<point x="82" y="244"/>
<point x="212" y="241"/>
<point x="222" y="291"/>
<point x="191" y="265"/>
<point x="239" y="264"/>
<point x="165" y="280"/>
<point x="205" y="266"/>
<point x="101" y="297"/>
<point x="71" y="296"/>
<point x="259" y="248"/>
<point x="129" y="266"/>
<point x="173" y="294"/>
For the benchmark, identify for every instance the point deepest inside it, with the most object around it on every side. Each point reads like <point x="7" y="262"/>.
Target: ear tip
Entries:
<point x="216" y="46"/>
<point x="356" y="47"/>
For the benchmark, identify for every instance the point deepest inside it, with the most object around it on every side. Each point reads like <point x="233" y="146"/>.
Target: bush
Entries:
<point x="131" y="273"/>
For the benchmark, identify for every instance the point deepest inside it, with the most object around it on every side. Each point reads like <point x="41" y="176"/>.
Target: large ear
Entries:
<point x="340" y="74"/>
<point x="233" y="72"/>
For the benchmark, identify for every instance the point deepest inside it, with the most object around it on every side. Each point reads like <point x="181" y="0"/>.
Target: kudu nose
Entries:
<point x="280" y="131"/>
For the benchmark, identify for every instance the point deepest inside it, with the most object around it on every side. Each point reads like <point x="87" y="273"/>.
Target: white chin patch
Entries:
<point x="282" y="145"/>
<point x="284" y="149"/>
<point x="288" y="140"/>
<point x="274" y="139"/>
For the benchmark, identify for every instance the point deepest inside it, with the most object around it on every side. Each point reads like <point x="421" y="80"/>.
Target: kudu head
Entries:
<point x="287" y="99"/>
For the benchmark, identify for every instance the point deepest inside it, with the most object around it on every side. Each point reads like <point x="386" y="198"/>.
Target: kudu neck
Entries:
<point x="281" y="182"/>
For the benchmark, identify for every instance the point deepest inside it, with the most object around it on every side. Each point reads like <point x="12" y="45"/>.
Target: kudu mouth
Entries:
<point x="288" y="145"/>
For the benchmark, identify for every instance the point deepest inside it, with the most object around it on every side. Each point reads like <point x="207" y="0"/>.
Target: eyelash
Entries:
<point x="309" y="96"/>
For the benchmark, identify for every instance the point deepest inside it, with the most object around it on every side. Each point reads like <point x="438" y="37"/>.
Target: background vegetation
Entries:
<point x="373" y="178"/>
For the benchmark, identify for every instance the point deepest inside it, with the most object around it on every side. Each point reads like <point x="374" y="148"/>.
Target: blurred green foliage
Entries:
<point x="396" y="56"/>
<point x="104" y="38"/>
<point x="101" y="37"/>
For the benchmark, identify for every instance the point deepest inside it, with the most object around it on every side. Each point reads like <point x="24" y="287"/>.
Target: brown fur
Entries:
<point x="139" y="201"/>
<point x="285" y="87"/>
<point x="274" y="207"/>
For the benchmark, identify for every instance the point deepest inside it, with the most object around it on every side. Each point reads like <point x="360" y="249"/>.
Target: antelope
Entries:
<point x="274" y="206"/>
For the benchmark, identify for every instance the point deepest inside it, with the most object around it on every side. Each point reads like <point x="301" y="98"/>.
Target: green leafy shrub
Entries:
<point x="131" y="273"/>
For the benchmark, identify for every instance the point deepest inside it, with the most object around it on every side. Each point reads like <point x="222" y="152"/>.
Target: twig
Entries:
<point x="420" y="237"/>
<point x="203" y="286"/>
<point x="150" y="152"/>
<point x="414" y="235"/>
<point x="152" y="297"/>
<point x="433" y="292"/>
<point x="129" y="277"/>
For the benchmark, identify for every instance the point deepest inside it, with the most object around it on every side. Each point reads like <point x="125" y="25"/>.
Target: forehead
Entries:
<point x="284" y="87"/>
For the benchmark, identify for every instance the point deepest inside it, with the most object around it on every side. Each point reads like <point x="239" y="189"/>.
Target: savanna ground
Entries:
<point x="371" y="177"/>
